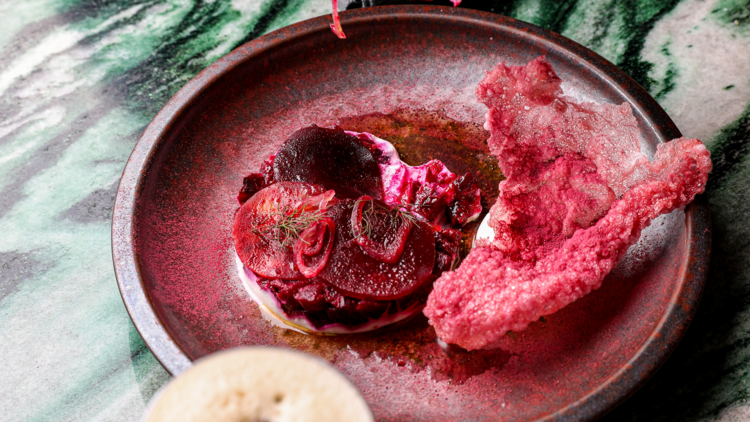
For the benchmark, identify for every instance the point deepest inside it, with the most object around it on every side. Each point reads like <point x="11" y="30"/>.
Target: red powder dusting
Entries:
<point x="559" y="225"/>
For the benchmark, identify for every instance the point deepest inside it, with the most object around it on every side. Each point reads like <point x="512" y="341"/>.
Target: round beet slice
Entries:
<point x="373" y="228"/>
<point x="354" y="273"/>
<point x="330" y="158"/>
<point x="314" y="245"/>
<point x="260" y="247"/>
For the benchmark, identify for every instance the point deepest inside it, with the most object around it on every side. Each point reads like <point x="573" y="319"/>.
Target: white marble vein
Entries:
<point x="707" y="57"/>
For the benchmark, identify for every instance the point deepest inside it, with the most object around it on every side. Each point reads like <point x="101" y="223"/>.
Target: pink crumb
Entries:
<point x="559" y="225"/>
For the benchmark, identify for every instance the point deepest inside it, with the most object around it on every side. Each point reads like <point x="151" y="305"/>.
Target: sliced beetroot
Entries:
<point x="353" y="273"/>
<point x="380" y="231"/>
<point x="320" y="201"/>
<point x="257" y="243"/>
<point x="312" y="249"/>
<point x="317" y="301"/>
<point x="330" y="158"/>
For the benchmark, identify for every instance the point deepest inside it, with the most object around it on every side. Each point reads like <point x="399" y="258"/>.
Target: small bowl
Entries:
<point x="258" y="383"/>
<point x="171" y="236"/>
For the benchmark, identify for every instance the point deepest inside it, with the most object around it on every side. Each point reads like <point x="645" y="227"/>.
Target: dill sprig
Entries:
<point x="288" y="224"/>
<point x="397" y="215"/>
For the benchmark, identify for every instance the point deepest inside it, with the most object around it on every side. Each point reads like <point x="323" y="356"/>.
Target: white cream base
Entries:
<point x="272" y="312"/>
<point x="485" y="233"/>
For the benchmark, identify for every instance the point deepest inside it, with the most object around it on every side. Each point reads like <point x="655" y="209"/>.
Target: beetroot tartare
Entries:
<point x="336" y="235"/>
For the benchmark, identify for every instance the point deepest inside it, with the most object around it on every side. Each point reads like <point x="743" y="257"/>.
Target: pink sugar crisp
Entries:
<point x="578" y="193"/>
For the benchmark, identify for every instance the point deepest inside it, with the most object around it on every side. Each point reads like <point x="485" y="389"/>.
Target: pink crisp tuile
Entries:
<point x="578" y="194"/>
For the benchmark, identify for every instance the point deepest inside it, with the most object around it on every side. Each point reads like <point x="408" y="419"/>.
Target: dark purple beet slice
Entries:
<point x="265" y="255"/>
<point x="330" y="158"/>
<point x="384" y="243"/>
<point x="312" y="249"/>
<point x="355" y="274"/>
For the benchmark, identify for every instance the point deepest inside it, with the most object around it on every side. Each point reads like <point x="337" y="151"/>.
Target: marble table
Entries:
<point x="80" y="80"/>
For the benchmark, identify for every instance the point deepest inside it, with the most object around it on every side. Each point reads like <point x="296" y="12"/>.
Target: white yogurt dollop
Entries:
<point x="485" y="233"/>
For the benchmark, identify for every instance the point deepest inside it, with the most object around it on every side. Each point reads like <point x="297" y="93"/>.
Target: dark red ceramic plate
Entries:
<point x="171" y="227"/>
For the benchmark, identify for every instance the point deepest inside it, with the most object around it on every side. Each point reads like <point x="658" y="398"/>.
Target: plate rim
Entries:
<point x="623" y="382"/>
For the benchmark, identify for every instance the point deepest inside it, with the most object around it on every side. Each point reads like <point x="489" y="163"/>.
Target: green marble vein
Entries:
<point x="74" y="98"/>
<point x="730" y="148"/>
<point x="707" y="377"/>
<point x="734" y="12"/>
<point x="616" y="29"/>
<point x="662" y="88"/>
<point x="17" y="15"/>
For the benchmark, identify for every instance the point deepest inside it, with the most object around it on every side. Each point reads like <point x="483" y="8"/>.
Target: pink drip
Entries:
<point x="336" y="25"/>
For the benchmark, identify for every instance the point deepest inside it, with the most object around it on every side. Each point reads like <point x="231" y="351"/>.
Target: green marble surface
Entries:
<point x="80" y="80"/>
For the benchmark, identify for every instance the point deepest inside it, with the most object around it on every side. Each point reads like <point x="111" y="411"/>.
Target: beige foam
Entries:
<point x="260" y="384"/>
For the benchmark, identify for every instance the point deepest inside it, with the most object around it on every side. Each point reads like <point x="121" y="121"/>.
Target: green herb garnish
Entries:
<point x="288" y="224"/>
<point x="397" y="215"/>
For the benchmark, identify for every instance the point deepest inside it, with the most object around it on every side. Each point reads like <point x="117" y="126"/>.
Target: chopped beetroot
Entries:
<point x="418" y="297"/>
<point x="285" y="290"/>
<point x="251" y="184"/>
<point x="432" y="195"/>
<point x="310" y="297"/>
<point x="258" y="240"/>
<point x="446" y="249"/>
<point x="466" y="203"/>
<point x="447" y="240"/>
<point x="343" y="303"/>
<point x="254" y="182"/>
<point x="322" y="305"/>
<point x="344" y="311"/>
<point x="443" y="262"/>
<point x="330" y="158"/>
<point x="372" y="309"/>
<point x="559" y="225"/>
<point x="352" y="272"/>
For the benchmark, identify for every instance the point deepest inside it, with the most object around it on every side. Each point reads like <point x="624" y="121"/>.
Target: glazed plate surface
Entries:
<point x="171" y="233"/>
